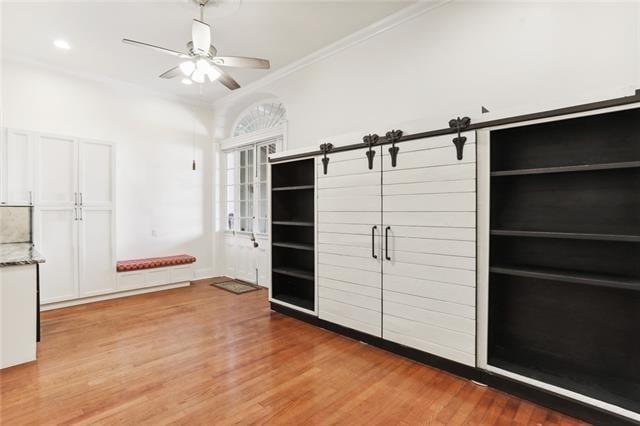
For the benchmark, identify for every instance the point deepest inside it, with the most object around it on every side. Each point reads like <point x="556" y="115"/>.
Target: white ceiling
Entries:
<point x="282" y="31"/>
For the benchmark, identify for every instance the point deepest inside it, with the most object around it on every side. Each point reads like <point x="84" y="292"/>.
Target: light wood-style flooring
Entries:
<point x="200" y="355"/>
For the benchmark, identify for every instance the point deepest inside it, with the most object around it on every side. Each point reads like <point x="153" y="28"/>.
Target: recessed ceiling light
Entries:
<point x="61" y="44"/>
<point x="186" y="81"/>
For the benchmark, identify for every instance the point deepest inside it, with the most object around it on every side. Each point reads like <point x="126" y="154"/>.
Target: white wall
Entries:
<point x="163" y="207"/>
<point x="512" y="57"/>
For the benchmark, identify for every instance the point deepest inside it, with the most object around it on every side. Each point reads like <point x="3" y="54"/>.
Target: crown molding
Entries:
<point x="123" y="86"/>
<point x="389" y="22"/>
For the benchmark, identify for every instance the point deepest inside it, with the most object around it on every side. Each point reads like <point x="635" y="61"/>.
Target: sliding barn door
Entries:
<point x="349" y="244"/>
<point x="429" y="278"/>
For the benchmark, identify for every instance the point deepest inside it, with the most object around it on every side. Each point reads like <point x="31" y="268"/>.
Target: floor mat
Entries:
<point x="236" y="287"/>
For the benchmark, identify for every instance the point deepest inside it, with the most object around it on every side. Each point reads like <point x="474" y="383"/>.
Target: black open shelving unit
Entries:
<point x="564" y="276"/>
<point x="293" y="233"/>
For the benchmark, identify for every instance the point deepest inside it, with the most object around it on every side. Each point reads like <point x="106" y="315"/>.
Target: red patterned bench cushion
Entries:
<point x="153" y="262"/>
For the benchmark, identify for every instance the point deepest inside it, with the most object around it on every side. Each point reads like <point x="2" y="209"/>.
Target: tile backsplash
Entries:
<point x="15" y="224"/>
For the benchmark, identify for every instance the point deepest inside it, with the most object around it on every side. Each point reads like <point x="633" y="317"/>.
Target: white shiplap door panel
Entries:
<point x="356" y="276"/>
<point x="425" y="144"/>
<point x="433" y="305"/>
<point x="349" y="276"/>
<point x="362" y="319"/>
<point x="445" y="275"/>
<point x="349" y="218"/>
<point x="362" y="263"/>
<point x="343" y="296"/>
<point x="434" y="318"/>
<point x="350" y="192"/>
<point x="444" y="352"/>
<point x="339" y="228"/>
<point x="459" y="294"/>
<point x="435" y="233"/>
<point x="353" y="240"/>
<point x="358" y="289"/>
<point x="349" y="204"/>
<point x="452" y="172"/>
<point x="438" y="260"/>
<point x="432" y="246"/>
<point x="347" y="251"/>
<point x="363" y="180"/>
<point x="453" y="202"/>
<point x="356" y="166"/>
<point x="433" y="158"/>
<point x="442" y="187"/>
<point x="429" y="282"/>
<point x="445" y="337"/>
<point x="429" y="219"/>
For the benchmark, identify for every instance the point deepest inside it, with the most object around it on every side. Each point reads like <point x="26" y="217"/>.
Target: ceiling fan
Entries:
<point x="201" y="59"/>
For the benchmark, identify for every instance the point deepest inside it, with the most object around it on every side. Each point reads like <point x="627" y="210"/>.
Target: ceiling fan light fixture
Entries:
<point x="198" y="76"/>
<point x="187" y="68"/>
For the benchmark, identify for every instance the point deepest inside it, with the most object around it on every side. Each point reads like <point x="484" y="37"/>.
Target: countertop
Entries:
<point x="13" y="254"/>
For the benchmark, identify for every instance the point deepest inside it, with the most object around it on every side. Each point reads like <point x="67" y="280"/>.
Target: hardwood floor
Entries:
<point x="202" y="355"/>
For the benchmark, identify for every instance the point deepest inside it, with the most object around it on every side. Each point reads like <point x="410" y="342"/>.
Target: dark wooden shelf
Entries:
<point x="294" y="300"/>
<point x="297" y="246"/>
<point x="598" y="280"/>
<point x="291" y="223"/>
<point x="566" y="235"/>
<point x="568" y="169"/>
<point x="293" y="188"/>
<point x="294" y="272"/>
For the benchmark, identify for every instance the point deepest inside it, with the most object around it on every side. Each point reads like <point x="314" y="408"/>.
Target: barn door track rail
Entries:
<point x="387" y="140"/>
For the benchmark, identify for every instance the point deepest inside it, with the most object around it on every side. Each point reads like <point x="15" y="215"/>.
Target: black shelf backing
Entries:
<point x="566" y="235"/>
<point x="294" y="272"/>
<point x="568" y="169"/>
<point x="571" y="277"/>
<point x="291" y="223"/>
<point x="297" y="246"/>
<point x="293" y="188"/>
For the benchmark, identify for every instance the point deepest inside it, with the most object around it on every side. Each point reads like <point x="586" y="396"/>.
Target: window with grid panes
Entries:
<point x="247" y="188"/>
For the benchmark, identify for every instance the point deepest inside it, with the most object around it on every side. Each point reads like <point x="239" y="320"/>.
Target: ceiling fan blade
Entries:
<point x="173" y="72"/>
<point x="201" y="37"/>
<point x="226" y="79"/>
<point x="156" y="48"/>
<point x="241" y="62"/>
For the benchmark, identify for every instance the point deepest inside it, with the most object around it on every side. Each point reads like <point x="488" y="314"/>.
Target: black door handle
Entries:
<point x="373" y="245"/>
<point x="386" y="242"/>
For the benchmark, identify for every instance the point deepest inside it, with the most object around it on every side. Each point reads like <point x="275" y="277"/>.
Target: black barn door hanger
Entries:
<point x="370" y="141"/>
<point x="394" y="136"/>
<point x="325" y="147"/>
<point x="459" y="124"/>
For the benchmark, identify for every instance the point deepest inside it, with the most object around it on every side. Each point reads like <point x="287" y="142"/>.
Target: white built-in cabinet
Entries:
<point x="74" y="217"/>
<point x="396" y="245"/>
<point x="17" y="171"/>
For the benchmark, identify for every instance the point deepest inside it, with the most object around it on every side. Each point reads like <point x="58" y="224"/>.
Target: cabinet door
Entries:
<point x="58" y="173"/>
<point x="96" y="174"/>
<point x="56" y="239"/>
<point x="18" y="168"/>
<point x="429" y="277"/>
<point x="349" y="250"/>
<point x="97" y="259"/>
<point x="96" y="217"/>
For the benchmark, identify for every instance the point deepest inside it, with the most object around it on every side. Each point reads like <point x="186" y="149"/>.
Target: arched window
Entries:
<point x="266" y="115"/>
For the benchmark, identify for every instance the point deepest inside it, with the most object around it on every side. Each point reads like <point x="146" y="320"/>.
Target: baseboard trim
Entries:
<point x="102" y="297"/>
<point x="513" y="387"/>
